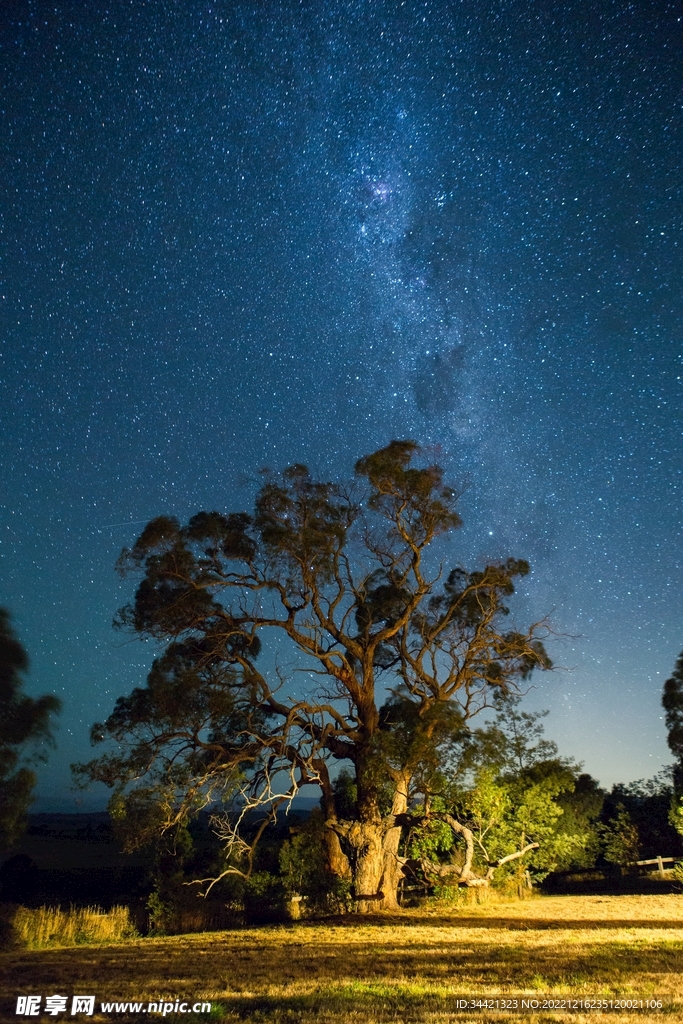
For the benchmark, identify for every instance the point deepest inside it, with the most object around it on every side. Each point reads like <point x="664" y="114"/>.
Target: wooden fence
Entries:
<point x="659" y="861"/>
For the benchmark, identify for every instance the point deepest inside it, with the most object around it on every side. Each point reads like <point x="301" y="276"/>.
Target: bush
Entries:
<point x="449" y="894"/>
<point x="620" y="840"/>
<point x="161" y="913"/>
<point x="8" y="933"/>
<point x="265" y="899"/>
<point x="177" y="910"/>
<point x="303" y="869"/>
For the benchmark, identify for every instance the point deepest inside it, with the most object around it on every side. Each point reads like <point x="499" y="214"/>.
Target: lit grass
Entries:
<point x="411" y="967"/>
<point x="50" y="926"/>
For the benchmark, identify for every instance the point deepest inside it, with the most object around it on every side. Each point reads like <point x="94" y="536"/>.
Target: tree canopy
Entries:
<point x="383" y="654"/>
<point x="519" y="806"/>
<point x="24" y="723"/>
<point x="672" y="702"/>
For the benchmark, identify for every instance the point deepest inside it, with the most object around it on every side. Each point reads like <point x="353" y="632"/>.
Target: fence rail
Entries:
<point x="659" y="861"/>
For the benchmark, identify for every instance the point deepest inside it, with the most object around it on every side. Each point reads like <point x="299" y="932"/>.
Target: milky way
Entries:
<point x="241" y="235"/>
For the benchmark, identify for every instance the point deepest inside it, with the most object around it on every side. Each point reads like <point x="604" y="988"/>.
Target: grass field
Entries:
<point x="413" y="966"/>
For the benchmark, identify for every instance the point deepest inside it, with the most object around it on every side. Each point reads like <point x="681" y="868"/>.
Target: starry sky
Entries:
<point x="238" y="235"/>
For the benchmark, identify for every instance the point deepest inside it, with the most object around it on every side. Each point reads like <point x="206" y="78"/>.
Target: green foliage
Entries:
<point x="345" y="791"/>
<point x="447" y="893"/>
<point x="512" y="788"/>
<point x="161" y="912"/>
<point x="302" y="859"/>
<point x="170" y="894"/>
<point x="581" y="809"/>
<point x="23" y="721"/>
<point x="676" y="814"/>
<point x="510" y="811"/>
<point x="431" y="840"/>
<point x="620" y="840"/>
<point x="304" y="872"/>
<point x="672" y="702"/>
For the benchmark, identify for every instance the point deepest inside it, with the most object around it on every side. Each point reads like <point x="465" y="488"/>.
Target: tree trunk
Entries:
<point x="370" y="845"/>
<point x="337" y="861"/>
<point x="366" y="853"/>
<point x="393" y="868"/>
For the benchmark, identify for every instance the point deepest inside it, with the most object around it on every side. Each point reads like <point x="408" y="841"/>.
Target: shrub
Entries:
<point x="265" y="899"/>
<point x="303" y="869"/>
<point x="620" y="839"/>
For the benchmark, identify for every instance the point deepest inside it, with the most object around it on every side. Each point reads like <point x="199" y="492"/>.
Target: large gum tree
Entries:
<point x="323" y="631"/>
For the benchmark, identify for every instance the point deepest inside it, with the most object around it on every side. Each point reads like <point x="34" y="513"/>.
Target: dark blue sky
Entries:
<point x="247" y="234"/>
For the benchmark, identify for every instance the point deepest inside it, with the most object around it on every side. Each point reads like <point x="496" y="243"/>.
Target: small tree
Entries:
<point x="648" y="804"/>
<point x="672" y="702"/>
<point x="581" y="807"/>
<point x="24" y="725"/>
<point x="620" y="839"/>
<point x="344" y="576"/>
<point x="506" y="783"/>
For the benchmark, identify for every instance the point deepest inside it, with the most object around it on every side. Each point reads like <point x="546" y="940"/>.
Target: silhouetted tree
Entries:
<point x="24" y="725"/>
<point x="672" y="702"/>
<point x="648" y="805"/>
<point x="342" y="575"/>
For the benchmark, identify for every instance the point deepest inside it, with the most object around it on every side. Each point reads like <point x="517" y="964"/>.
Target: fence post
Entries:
<point x="660" y="865"/>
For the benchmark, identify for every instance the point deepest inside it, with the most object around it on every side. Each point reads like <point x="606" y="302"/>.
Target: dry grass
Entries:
<point x="411" y="967"/>
<point x="50" y="926"/>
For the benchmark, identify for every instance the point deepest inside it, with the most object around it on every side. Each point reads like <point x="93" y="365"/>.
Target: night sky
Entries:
<point x="238" y="235"/>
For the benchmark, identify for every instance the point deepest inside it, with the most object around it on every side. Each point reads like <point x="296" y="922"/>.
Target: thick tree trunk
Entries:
<point x="366" y="846"/>
<point x="370" y="848"/>
<point x="363" y="839"/>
